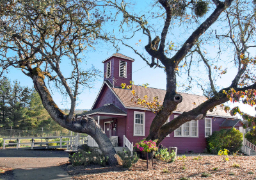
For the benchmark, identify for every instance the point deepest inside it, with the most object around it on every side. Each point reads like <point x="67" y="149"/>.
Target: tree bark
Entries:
<point x="86" y="125"/>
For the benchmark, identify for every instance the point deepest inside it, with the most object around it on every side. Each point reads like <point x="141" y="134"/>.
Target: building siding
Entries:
<point x="184" y="144"/>
<point x="108" y="97"/>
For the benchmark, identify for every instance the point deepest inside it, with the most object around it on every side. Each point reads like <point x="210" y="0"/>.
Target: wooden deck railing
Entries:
<point x="128" y="144"/>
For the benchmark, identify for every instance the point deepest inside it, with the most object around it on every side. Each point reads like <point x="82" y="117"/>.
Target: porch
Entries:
<point x="112" y="120"/>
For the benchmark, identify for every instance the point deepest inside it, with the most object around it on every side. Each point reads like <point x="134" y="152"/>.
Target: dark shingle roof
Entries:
<point x="106" y="109"/>
<point x="189" y="101"/>
<point x="229" y="123"/>
<point x="120" y="56"/>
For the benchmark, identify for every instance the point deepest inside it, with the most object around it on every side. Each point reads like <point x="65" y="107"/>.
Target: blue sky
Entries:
<point x="141" y="72"/>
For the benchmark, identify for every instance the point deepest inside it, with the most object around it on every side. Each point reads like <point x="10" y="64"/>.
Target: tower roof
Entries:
<point x="120" y="56"/>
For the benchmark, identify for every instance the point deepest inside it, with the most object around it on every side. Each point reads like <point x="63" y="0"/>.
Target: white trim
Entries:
<point x="98" y="94"/>
<point x="107" y="114"/>
<point x="125" y="69"/>
<point x="143" y="113"/>
<point x="107" y="69"/>
<point x="119" y="57"/>
<point x="207" y="127"/>
<point x="190" y="129"/>
<point x="112" y="92"/>
<point x="178" y="112"/>
<point x="105" y="125"/>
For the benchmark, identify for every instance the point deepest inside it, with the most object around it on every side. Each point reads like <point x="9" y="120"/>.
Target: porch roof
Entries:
<point x="229" y="123"/>
<point x="108" y="109"/>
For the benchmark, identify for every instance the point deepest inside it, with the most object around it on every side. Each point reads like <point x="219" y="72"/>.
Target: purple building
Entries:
<point x="118" y="116"/>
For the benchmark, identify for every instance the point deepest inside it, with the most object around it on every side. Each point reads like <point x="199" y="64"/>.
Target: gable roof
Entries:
<point x="229" y="123"/>
<point x="120" y="56"/>
<point x="106" y="109"/>
<point x="189" y="102"/>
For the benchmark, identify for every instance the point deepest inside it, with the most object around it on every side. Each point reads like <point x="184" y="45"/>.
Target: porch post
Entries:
<point x="99" y="120"/>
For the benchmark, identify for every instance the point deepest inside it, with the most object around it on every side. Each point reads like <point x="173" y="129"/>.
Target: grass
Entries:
<point x="204" y="174"/>
<point x="231" y="173"/>
<point x="215" y="168"/>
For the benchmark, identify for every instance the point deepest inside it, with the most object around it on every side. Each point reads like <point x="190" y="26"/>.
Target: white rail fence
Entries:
<point x="128" y="144"/>
<point x="69" y="142"/>
<point x="93" y="143"/>
<point x="248" y="147"/>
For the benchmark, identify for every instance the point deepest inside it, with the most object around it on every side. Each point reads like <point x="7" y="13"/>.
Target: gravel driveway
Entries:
<point x="32" y="164"/>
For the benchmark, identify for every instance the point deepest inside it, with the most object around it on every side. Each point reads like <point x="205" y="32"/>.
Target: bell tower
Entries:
<point x="118" y="69"/>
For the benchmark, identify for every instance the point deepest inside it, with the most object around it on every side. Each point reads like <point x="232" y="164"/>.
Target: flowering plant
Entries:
<point x="146" y="146"/>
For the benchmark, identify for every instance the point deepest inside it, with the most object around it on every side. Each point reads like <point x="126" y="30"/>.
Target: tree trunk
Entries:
<point x="86" y="125"/>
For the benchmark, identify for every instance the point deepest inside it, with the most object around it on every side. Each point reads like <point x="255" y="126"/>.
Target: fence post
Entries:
<point x="32" y="143"/>
<point x="4" y="144"/>
<point x="123" y="140"/>
<point x="60" y="142"/>
<point x="18" y="143"/>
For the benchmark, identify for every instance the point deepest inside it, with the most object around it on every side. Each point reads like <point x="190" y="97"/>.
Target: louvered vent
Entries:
<point x="122" y="69"/>
<point x="108" y="69"/>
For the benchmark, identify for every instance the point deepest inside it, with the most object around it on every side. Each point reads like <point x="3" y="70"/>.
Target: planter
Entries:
<point x="143" y="155"/>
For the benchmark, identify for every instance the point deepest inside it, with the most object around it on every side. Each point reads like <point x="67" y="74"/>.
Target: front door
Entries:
<point x="108" y="129"/>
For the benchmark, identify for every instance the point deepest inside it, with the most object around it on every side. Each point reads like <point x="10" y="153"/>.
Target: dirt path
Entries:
<point x="32" y="164"/>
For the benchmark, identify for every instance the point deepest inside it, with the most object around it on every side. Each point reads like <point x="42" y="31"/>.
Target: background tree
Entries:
<point x="233" y="32"/>
<point x="37" y="37"/>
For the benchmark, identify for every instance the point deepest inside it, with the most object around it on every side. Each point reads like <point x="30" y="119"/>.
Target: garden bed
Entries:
<point x="185" y="167"/>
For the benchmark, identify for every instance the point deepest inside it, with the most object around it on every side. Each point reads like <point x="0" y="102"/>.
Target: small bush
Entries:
<point x="164" y="155"/>
<point x="230" y="139"/>
<point x="127" y="158"/>
<point x="251" y="136"/>
<point x="1" y="142"/>
<point x="85" y="148"/>
<point x="235" y="165"/>
<point x="82" y="158"/>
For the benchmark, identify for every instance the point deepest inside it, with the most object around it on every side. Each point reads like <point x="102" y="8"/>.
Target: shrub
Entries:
<point x="85" y="158"/>
<point x="1" y="142"/>
<point x="251" y="136"/>
<point x="127" y="158"/>
<point x="85" y="148"/>
<point x="164" y="155"/>
<point x="230" y="139"/>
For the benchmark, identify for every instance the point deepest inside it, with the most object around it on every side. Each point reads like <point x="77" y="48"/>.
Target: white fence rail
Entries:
<point x="128" y="144"/>
<point x="72" y="143"/>
<point x="93" y="143"/>
<point x="248" y="147"/>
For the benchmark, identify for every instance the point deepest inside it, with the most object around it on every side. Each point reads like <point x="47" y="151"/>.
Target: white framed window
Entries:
<point x="139" y="124"/>
<point x="188" y="129"/>
<point x="208" y="127"/>
<point x="123" y="69"/>
<point x="108" y="70"/>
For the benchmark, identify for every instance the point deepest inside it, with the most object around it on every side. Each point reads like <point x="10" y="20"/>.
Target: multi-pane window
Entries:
<point x="208" y="127"/>
<point x="177" y="132"/>
<point x="123" y="69"/>
<point x="139" y="124"/>
<point x="108" y="69"/>
<point x="188" y="129"/>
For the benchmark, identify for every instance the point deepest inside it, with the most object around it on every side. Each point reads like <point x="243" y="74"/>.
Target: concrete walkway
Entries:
<point x="51" y="173"/>
<point x="28" y="165"/>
